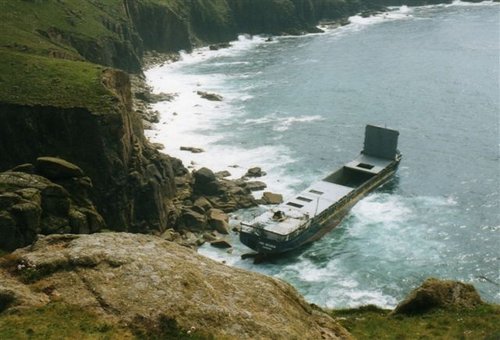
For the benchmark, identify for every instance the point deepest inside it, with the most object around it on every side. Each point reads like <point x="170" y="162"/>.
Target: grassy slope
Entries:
<point x="21" y="21"/>
<point x="36" y="80"/>
<point x="373" y="323"/>
<point x="28" y="73"/>
<point x="58" y="321"/>
<point x="61" y="321"/>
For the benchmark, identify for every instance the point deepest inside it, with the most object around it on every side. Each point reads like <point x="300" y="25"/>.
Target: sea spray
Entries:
<point x="297" y="107"/>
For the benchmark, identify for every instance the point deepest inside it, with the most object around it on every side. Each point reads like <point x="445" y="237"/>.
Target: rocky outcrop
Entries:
<point x="133" y="182"/>
<point x="272" y="198"/>
<point x="31" y="204"/>
<point x="214" y="97"/>
<point x="120" y="277"/>
<point x="434" y="293"/>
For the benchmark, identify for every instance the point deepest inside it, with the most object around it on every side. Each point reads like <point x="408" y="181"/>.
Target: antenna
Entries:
<point x="317" y="204"/>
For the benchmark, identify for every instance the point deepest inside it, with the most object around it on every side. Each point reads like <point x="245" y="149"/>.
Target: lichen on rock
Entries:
<point x="159" y="280"/>
<point x="434" y="293"/>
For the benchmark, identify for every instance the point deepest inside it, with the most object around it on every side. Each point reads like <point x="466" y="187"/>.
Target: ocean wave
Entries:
<point x="469" y="4"/>
<point x="403" y="13"/>
<point x="281" y="124"/>
<point x="203" y="54"/>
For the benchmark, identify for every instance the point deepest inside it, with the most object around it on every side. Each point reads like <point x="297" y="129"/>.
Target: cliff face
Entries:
<point x="55" y="99"/>
<point x="133" y="182"/>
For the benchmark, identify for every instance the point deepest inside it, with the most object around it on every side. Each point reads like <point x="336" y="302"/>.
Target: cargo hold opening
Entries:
<point x="349" y="177"/>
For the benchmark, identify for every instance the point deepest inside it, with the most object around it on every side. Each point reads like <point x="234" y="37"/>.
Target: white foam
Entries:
<point x="401" y="14"/>
<point x="243" y="44"/>
<point x="189" y="120"/>
<point x="459" y="3"/>
<point x="380" y="208"/>
<point x="281" y="124"/>
<point x="357" y="298"/>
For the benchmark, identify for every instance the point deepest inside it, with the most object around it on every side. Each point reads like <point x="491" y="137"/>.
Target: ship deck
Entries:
<point x="320" y="195"/>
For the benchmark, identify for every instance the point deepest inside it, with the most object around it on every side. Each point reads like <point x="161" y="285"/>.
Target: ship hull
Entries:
<point x="319" y="225"/>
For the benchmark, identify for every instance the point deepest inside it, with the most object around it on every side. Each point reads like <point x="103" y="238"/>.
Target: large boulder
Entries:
<point x="434" y="293"/>
<point x="255" y="172"/>
<point x="205" y="181"/>
<point x="31" y="204"/>
<point x="142" y="280"/>
<point x="193" y="219"/>
<point x="56" y="168"/>
<point x="210" y="96"/>
<point x="255" y="185"/>
<point x="272" y="198"/>
<point x="219" y="221"/>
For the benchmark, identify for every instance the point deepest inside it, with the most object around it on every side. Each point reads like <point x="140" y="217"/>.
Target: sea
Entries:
<point x="297" y="106"/>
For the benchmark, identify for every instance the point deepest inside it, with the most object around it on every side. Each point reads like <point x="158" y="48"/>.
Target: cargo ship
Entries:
<point x="309" y="215"/>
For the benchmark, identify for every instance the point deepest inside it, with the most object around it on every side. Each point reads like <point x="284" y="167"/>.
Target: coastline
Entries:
<point x="132" y="285"/>
<point x="366" y="209"/>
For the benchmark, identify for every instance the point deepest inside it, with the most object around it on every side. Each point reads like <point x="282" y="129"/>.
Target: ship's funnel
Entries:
<point x="381" y="142"/>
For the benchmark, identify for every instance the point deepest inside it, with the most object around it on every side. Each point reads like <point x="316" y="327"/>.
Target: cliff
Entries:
<point x="82" y="113"/>
<point x="58" y="96"/>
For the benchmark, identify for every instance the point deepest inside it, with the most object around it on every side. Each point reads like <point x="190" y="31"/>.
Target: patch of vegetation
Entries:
<point x="58" y="321"/>
<point x="24" y="24"/>
<point x="36" y="80"/>
<point x="482" y="322"/>
<point x="167" y="328"/>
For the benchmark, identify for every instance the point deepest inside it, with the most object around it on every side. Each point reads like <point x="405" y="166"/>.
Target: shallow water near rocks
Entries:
<point x="297" y="107"/>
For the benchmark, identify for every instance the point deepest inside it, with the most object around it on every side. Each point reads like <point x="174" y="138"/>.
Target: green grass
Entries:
<point x="58" y="321"/>
<point x="22" y="21"/>
<point x="373" y="323"/>
<point x="35" y="80"/>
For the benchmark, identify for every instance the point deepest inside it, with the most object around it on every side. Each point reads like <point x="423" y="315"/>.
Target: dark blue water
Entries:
<point x="430" y="72"/>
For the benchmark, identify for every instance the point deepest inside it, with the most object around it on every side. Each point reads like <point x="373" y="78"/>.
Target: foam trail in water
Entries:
<point x="189" y="120"/>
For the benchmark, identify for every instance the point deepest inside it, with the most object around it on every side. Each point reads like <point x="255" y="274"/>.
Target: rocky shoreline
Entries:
<point x="75" y="161"/>
<point x="152" y="288"/>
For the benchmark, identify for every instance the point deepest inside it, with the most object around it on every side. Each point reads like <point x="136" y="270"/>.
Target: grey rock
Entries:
<point x="271" y="198"/>
<point x="255" y="172"/>
<point x="255" y="185"/>
<point x="210" y="96"/>
<point x="56" y="168"/>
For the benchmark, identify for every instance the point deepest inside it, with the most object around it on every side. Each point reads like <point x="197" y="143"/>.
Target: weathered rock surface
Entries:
<point x="223" y="194"/>
<point x="434" y="293"/>
<point x="220" y="243"/>
<point x="218" y="220"/>
<point x="210" y="96"/>
<point x="272" y="198"/>
<point x="255" y="185"/>
<point x="133" y="182"/>
<point x="191" y="149"/>
<point x="31" y="204"/>
<point x="216" y="47"/>
<point x="144" y="280"/>
<point x="56" y="168"/>
<point x="255" y="172"/>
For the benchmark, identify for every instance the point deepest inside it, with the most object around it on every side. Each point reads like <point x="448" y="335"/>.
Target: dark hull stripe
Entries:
<point x="321" y="224"/>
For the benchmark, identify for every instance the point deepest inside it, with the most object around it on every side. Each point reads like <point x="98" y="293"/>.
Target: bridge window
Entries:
<point x="365" y="166"/>
<point x="296" y="205"/>
<point x="304" y="199"/>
